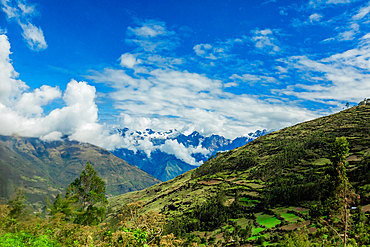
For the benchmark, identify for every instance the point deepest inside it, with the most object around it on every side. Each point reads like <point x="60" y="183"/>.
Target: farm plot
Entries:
<point x="269" y="221"/>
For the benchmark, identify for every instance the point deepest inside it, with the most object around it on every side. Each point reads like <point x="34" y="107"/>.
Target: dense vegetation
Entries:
<point x="45" y="168"/>
<point x="270" y="184"/>
<point x="76" y="220"/>
<point x="305" y="185"/>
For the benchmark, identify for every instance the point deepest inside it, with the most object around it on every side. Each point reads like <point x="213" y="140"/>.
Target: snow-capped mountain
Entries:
<point x="166" y="155"/>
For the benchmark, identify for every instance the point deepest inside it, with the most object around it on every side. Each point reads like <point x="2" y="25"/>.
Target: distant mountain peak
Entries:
<point x="194" y="147"/>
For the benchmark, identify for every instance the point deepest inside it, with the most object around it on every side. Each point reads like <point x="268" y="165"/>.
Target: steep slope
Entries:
<point x="285" y="167"/>
<point x="47" y="168"/>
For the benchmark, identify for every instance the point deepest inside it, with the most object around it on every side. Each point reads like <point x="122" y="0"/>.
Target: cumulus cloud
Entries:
<point x="30" y="104"/>
<point x="21" y="111"/>
<point x="10" y="86"/>
<point x="21" y="12"/>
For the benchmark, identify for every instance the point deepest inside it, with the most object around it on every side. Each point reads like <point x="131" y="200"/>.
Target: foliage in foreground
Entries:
<point x="133" y="229"/>
<point x="75" y="220"/>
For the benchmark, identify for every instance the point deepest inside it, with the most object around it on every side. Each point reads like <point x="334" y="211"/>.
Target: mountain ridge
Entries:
<point x="197" y="147"/>
<point x="44" y="168"/>
<point x="281" y="172"/>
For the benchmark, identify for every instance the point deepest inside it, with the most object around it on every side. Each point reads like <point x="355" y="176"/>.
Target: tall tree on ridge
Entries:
<point x="89" y="190"/>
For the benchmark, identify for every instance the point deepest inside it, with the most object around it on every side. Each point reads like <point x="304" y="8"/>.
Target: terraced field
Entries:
<point x="269" y="182"/>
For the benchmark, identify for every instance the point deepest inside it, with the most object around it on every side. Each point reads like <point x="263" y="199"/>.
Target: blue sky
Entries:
<point x="217" y="67"/>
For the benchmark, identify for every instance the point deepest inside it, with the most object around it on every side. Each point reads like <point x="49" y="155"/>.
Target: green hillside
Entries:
<point x="47" y="168"/>
<point x="269" y="183"/>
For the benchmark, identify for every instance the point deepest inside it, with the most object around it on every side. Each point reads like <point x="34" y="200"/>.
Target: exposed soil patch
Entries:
<point x="299" y="209"/>
<point x="241" y="182"/>
<point x="352" y="158"/>
<point x="295" y="225"/>
<point x="366" y="208"/>
<point x="312" y="229"/>
<point x="209" y="182"/>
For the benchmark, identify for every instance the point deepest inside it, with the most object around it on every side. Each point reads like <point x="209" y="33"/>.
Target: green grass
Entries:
<point x="23" y="239"/>
<point x="242" y="222"/>
<point x="290" y="217"/>
<point x="257" y="230"/>
<point x="269" y="221"/>
<point x="321" y="161"/>
<point x="287" y="216"/>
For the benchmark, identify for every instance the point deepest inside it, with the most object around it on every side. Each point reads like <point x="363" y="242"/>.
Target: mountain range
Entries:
<point x="269" y="183"/>
<point x="172" y="153"/>
<point x="44" y="168"/>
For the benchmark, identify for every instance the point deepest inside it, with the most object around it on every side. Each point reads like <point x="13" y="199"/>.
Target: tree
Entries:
<point x="338" y="192"/>
<point x="16" y="203"/>
<point x="63" y="205"/>
<point x="89" y="193"/>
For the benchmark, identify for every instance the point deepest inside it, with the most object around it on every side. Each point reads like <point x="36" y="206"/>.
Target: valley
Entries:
<point x="264" y="193"/>
<point x="272" y="181"/>
<point x="44" y="169"/>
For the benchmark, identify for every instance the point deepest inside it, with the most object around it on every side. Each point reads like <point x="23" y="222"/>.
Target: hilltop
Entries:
<point x="270" y="181"/>
<point x="44" y="168"/>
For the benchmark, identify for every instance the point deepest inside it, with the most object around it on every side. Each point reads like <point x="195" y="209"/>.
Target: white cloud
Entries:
<point x="315" y="17"/>
<point x="128" y="60"/>
<point x="21" y="111"/>
<point x="281" y="70"/>
<point x="34" y="37"/>
<point x="265" y="41"/>
<point x="150" y="29"/>
<point x="218" y="50"/>
<point x="349" y="34"/>
<point x="27" y="10"/>
<point x="52" y="136"/>
<point x="348" y="25"/>
<point x="339" y="78"/>
<point x="251" y="79"/>
<point x="22" y="12"/>
<point x="10" y="86"/>
<point x="163" y="99"/>
<point x="201" y="49"/>
<point x="152" y="36"/>
<point x="263" y="32"/>
<point x="29" y="104"/>
<point x="183" y="153"/>
<point x="362" y="13"/>
<point x="10" y="11"/>
<point x="324" y="3"/>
